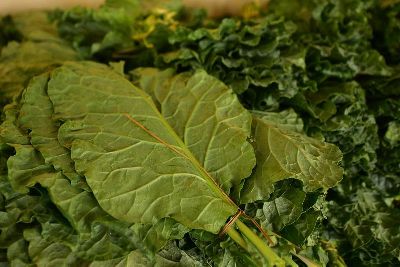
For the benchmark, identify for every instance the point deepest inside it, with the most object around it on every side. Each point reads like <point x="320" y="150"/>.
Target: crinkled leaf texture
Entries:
<point x="283" y="153"/>
<point x="134" y="176"/>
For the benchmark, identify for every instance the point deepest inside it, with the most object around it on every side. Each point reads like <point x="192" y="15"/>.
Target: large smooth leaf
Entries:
<point x="9" y="131"/>
<point x="36" y="115"/>
<point x="208" y="117"/>
<point x="24" y="167"/>
<point x="134" y="176"/>
<point x="283" y="154"/>
<point x="287" y="119"/>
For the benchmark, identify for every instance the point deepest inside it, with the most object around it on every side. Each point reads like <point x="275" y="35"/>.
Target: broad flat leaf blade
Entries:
<point x="283" y="154"/>
<point x="24" y="167"/>
<point x="36" y="115"/>
<point x="208" y="117"/>
<point x="47" y="253"/>
<point x="134" y="177"/>
<point x="287" y="119"/>
<point x="9" y="132"/>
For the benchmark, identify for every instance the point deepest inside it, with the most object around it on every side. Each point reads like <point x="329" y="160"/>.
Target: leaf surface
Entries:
<point x="283" y="154"/>
<point x="208" y="117"/>
<point x="134" y="176"/>
<point x="36" y="115"/>
<point x="283" y="210"/>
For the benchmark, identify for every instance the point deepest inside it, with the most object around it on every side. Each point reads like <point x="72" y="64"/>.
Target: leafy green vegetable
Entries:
<point x="208" y="117"/>
<point x="282" y="210"/>
<point x="120" y="152"/>
<point x="20" y="62"/>
<point x="95" y="31"/>
<point x="36" y="114"/>
<point x="101" y="141"/>
<point x="283" y="154"/>
<point x="315" y="77"/>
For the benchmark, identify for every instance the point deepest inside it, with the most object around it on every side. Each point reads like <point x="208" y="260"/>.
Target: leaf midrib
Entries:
<point x="205" y="175"/>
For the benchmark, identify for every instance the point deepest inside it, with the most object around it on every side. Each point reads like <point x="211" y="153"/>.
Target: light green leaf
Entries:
<point x="134" y="259"/>
<point x="25" y="167"/>
<point x="392" y="134"/>
<point x="36" y="115"/>
<point x="9" y="131"/>
<point x="134" y="176"/>
<point x="137" y="259"/>
<point x="283" y="154"/>
<point x="98" y="236"/>
<point x="286" y="119"/>
<point x="69" y="200"/>
<point x="208" y="117"/>
<point x="101" y="237"/>
<point x="173" y="256"/>
<point x="156" y="236"/>
<point x="47" y="253"/>
<point x="151" y="80"/>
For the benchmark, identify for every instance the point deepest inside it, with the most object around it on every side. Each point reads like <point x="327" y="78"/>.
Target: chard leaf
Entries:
<point x="171" y="256"/>
<point x="90" y="234"/>
<point x="156" y="236"/>
<point x="286" y="119"/>
<point x="47" y="253"/>
<point x="36" y="115"/>
<point x="24" y="168"/>
<point x="134" y="258"/>
<point x="283" y="154"/>
<point x="9" y="131"/>
<point x="18" y="252"/>
<point x="134" y="176"/>
<point x="208" y="117"/>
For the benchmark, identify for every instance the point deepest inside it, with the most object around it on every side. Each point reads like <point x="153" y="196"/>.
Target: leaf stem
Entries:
<point x="235" y="235"/>
<point x="272" y="258"/>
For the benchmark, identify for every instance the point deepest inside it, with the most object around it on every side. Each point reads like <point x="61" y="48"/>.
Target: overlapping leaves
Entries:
<point x="101" y="141"/>
<point x="325" y="59"/>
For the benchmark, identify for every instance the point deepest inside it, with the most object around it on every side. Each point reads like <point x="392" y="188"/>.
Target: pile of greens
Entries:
<point x="140" y="136"/>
